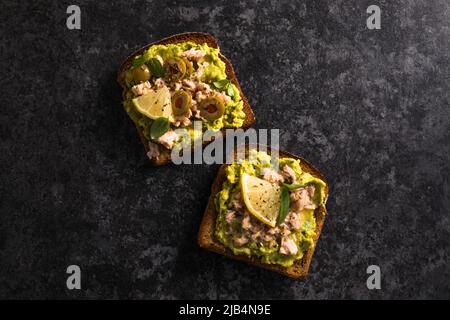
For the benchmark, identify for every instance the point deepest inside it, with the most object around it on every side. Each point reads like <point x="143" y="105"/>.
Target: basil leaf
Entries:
<point x="156" y="68"/>
<point x="221" y="84"/>
<point x="138" y="61"/>
<point x="230" y="90"/>
<point x="293" y="186"/>
<point x="159" y="127"/>
<point x="284" y="205"/>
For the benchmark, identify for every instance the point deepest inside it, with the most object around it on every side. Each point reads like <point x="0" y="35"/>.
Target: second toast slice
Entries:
<point x="207" y="236"/>
<point x="183" y="51"/>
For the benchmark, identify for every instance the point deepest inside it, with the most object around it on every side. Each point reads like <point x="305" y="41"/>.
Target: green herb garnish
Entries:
<point x="156" y="68"/>
<point x="159" y="127"/>
<point x="138" y="61"/>
<point x="221" y="84"/>
<point x="230" y="91"/>
<point x="225" y="85"/>
<point x="284" y="205"/>
<point x="294" y="186"/>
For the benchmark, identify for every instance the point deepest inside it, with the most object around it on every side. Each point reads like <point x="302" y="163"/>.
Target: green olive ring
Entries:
<point x="181" y="103"/>
<point x="212" y="108"/>
<point x="141" y="73"/>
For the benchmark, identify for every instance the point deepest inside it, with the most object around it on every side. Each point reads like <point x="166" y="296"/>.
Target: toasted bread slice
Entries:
<point x="199" y="38"/>
<point x="207" y="240"/>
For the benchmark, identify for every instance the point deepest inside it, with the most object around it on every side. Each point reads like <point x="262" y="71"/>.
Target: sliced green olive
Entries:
<point x="189" y="67"/>
<point x="212" y="108"/>
<point x="141" y="73"/>
<point x="181" y="102"/>
<point x="175" y="68"/>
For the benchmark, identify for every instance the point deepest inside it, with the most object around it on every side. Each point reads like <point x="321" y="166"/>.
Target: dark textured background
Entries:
<point x="370" y="108"/>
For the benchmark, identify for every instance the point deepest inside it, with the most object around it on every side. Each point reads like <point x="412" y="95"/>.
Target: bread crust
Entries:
<point x="200" y="38"/>
<point x="207" y="240"/>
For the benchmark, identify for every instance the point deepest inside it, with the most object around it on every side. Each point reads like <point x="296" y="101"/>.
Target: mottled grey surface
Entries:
<point x="370" y="108"/>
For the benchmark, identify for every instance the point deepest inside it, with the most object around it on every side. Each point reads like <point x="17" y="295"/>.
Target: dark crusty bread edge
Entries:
<point x="207" y="240"/>
<point x="200" y="38"/>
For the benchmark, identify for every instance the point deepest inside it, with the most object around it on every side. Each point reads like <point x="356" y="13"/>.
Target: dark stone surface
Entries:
<point x="370" y="108"/>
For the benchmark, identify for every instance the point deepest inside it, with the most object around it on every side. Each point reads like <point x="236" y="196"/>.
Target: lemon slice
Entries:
<point x="155" y="104"/>
<point x="261" y="198"/>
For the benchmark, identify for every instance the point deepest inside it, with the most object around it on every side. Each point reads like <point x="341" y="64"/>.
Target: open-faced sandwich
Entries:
<point x="170" y="83"/>
<point x="267" y="213"/>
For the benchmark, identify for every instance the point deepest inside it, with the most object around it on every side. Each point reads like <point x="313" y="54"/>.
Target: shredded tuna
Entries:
<point x="193" y="54"/>
<point x="246" y="225"/>
<point x="271" y="175"/>
<point x="153" y="151"/>
<point x="257" y="232"/>
<point x="201" y="95"/>
<point x="201" y="86"/>
<point x="289" y="174"/>
<point x="237" y="201"/>
<point x="142" y="88"/>
<point x="257" y="227"/>
<point x="294" y="220"/>
<point x="194" y="105"/>
<point x="189" y="85"/>
<point x="302" y="198"/>
<point x="197" y="114"/>
<point x="229" y="217"/>
<point x="284" y="230"/>
<point x="198" y="74"/>
<point x="240" y="241"/>
<point x="168" y="139"/>
<point x="311" y="191"/>
<point x="288" y="246"/>
<point x="177" y="86"/>
<point x="183" y="121"/>
<point x="256" y="236"/>
<point x="159" y="83"/>
<point x="226" y="99"/>
<point x="269" y="237"/>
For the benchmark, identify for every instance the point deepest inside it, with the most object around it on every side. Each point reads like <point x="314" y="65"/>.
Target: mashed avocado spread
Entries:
<point x="195" y="75"/>
<point x="244" y="235"/>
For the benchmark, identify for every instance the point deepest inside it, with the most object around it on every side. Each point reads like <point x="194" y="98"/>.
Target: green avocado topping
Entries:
<point x="267" y="252"/>
<point x="213" y="73"/>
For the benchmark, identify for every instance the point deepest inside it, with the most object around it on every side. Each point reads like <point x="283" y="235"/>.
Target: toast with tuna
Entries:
<point x="207" y="239"/>
<point x="197" y="38"/>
